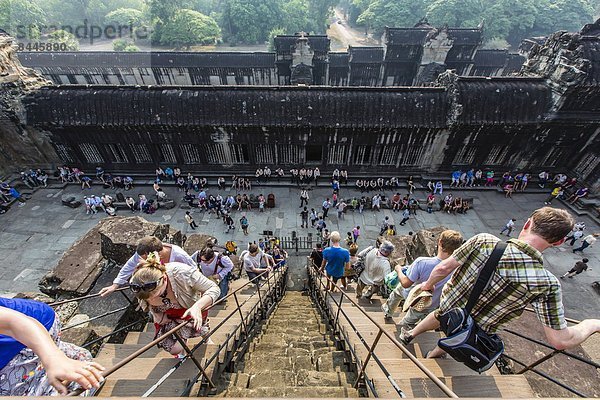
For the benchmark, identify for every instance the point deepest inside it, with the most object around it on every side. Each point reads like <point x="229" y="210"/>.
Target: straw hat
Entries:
<point x="418" y="299"/>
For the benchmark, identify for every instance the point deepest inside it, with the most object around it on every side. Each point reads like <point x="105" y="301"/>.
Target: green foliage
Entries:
<point x="124" y="17"/>
<point x="272" y="34"/>
<point x="250" y="21"/>
<point x="320" y="11"/>
<point x="64" y="37"/>
<point x="510" y="20"/>
<point x="187" y="28"/>
<point x="20" y="18"/>
<point x="397" y="13"/>
<point x="120" y="44"/>
<point x="131" y="48"/>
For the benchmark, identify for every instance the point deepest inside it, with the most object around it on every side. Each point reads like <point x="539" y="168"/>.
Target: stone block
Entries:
<point x="266" y="362"/>
<point x="331" y="362"/>
<point x="275" y="378"/>
<point x="66" y="311"/>
<point x="197" y="241"/>
<point x="120" y="236"/>
<point x="79" y="320"/>
<point x="37" y="296"/>
<point x="318" y="378"/>
<point x="78" y="268"/>
<point x="425" y="242"/>
<point x="302" y="362"/>
<point x="78" y="335"/>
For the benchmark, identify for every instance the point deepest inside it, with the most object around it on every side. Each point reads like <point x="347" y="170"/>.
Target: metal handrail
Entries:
<point x="89" y="296"/>
<point x="107" y="372"/>
<point x="526" y="367"/>
<point x="443" y="387"/>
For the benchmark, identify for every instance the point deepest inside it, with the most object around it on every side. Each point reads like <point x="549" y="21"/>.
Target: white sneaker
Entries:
<point x="404" y="336"/>
<point x="386" y="311"/>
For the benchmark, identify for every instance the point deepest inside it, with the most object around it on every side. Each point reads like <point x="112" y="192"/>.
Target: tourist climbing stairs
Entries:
<point x="389" y="371"/>
<point x="156" y="373"/>
<point x="294" y="356"/>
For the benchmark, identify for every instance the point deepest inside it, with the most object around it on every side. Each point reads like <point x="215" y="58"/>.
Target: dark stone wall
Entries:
<point x="499" y="123"/>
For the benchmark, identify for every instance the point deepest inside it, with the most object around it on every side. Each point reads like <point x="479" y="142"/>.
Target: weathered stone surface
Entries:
<point x="44" y="298"/>
<point x="425" y="242"/>
<point x="409" y="247"/>
<point x="400" y="254"/>
<point x="81" y="320"/>
<point x="66" y="311"/>
<point x="197" y="241"/>
<point x="272" y="378"/>
<point x="78" y="268"/>
<point x="120" y="236"/>
<point x="19" y="145"/>
<point x="79" y="336"/>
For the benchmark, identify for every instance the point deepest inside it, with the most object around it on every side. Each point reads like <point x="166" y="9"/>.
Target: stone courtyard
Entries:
<point x="34" y="237"/>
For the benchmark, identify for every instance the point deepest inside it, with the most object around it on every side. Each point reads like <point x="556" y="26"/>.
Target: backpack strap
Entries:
<point x="485" y="275"/>
<point x="218" y="264"/>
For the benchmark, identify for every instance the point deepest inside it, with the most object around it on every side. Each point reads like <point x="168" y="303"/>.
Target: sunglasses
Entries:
<point x="146" y="287"/>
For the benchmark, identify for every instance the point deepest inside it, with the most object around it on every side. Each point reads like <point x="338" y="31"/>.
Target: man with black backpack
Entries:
<point x="215" y="266"/>
<point x="517" y="278"/>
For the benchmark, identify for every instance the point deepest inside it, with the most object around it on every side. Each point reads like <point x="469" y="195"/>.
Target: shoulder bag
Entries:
<point x="465" y="341"/>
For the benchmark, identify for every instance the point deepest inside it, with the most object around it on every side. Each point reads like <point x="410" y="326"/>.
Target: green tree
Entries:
<point x="21" y="19"/>
<point x="250" y="21"/>
<point x="393" y="13"/>
<point x="272" y="34"/>
<point x="320" y="11"/>
<point x="64" y="37"/>
<point x="296" y="18"/>
<point x="124" y="17"/>
<point x="131" y="48"/>
<point x="188" y="28"/>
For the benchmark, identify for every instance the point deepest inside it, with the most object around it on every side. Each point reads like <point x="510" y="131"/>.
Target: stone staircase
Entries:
<point x="292" y="357"/>
<point x="136" y="377"/>
<point x="355" y="329"/>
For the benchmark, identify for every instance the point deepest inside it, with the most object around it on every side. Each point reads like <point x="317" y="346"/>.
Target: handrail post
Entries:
<point x="337" y="316"/>
<point x="262" y="307"/>
<point x="237" y="303"/>
<point x="364" y="366"/>
<point x="194" y="360"/>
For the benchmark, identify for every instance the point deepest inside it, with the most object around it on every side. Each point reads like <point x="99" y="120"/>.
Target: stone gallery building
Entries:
<point x="427" y="101"/>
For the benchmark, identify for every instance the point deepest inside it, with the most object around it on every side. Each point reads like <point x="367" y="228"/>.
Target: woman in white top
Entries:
<point x="172" y="293"/>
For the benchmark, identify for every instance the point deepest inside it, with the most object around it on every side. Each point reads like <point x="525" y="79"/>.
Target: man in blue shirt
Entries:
<point x="335" y="260"/>
<point x="418" y="272"/>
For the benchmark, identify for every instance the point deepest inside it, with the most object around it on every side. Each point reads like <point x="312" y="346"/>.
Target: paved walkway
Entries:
<point x="33" y="237"/>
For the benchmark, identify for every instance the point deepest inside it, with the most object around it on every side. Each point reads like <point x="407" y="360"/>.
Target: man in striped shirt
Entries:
<point x="519" y="280"/>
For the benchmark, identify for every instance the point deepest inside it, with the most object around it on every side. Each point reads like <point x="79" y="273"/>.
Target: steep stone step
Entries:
<point x="271" y="378"/>
<point x="137" y="387"/>
<point x="334" y="361"/>
<point x="237" y="379"/>
<point x="321" y="378"/>
<point x="504" y="386"/>
<point x="406" y="369"/>
<point x="306" y="392"/>
<point x="153" y="369"/>
<point x="265" y="362"/>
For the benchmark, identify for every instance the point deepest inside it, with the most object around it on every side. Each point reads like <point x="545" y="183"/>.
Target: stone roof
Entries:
<point x="503" y="100"/>
<point x="318" y="43"/>
<point x="147" y="59"/>
<point x="365" y="54"/>
<point x="84" y="105"/>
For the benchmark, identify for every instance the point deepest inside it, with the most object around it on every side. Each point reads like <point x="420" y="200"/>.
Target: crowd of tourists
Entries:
<point x="433" y="290"/>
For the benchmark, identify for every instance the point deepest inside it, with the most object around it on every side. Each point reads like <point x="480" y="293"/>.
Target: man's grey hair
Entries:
<point x="387" y="247"/>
